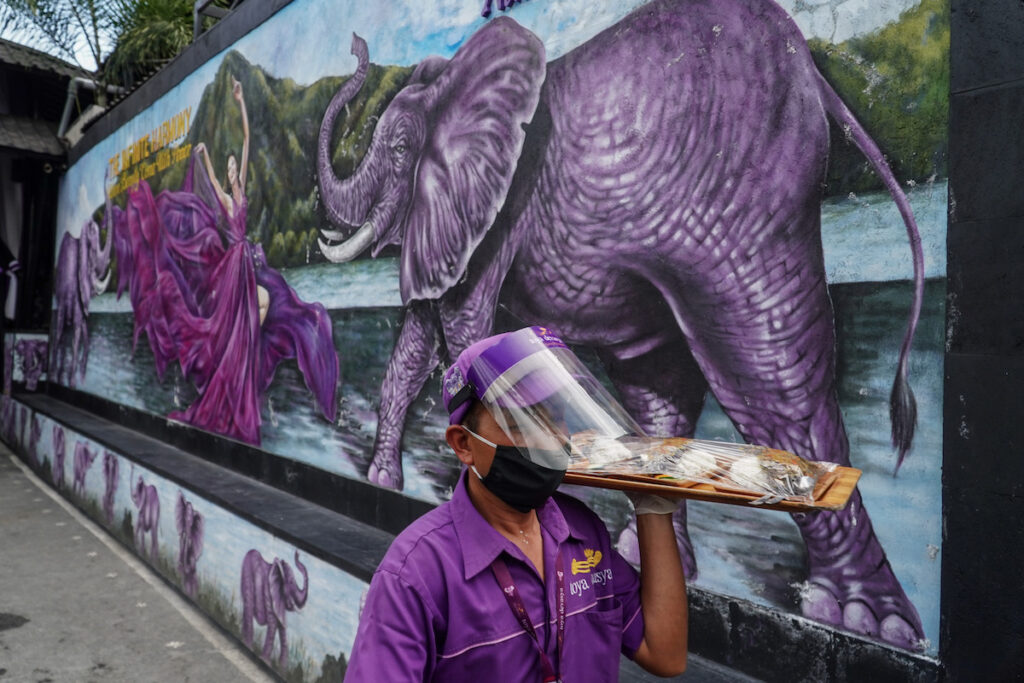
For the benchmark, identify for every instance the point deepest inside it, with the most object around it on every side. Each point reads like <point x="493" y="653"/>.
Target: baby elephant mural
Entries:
<point x="269" y="592"/>
<point x="82" y="272"/>
<point x="147" y="501"/>
<point x="83" y="461"/>
<point x="57" y="466"/>
<point x="190" y="543"/>
<point x="36" y="431"/>
<point x="655" y="195"/>
<point x="111" y="465"/>
<point x="33" y="360"/>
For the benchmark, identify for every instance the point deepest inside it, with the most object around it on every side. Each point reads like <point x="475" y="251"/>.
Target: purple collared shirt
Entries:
<point x="435" y="612"/>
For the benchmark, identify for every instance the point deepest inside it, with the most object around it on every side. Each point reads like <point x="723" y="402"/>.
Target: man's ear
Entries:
<point x="458" y="439"/>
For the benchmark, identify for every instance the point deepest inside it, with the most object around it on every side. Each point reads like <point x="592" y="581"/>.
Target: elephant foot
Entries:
<point x="891" y="619"/>
<point x="629" y="546"/>
<point x="850" y="583"/>
<point x="386" y="472"/>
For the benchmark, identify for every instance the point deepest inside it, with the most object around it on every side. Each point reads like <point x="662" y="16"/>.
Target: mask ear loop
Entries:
<point x="483" y="440"/>
<point x="480" y="438"/>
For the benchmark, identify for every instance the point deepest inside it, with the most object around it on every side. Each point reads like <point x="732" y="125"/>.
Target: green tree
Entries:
<point x="63" y="27"/>
<point x="126" y="39"/>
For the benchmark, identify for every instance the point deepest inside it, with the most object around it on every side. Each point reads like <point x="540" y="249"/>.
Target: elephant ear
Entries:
<point x="477" y="107"/>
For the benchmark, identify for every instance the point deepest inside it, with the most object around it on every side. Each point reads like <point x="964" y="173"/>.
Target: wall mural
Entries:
<point x="215" y="557"/>
<point x="25" y="360"/>
<point x="695" y="194"/>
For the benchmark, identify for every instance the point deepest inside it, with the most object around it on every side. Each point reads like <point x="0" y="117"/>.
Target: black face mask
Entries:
<point x="518" y="482"/>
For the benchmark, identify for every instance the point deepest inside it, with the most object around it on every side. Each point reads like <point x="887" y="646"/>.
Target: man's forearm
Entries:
<point x="662" y="597"/>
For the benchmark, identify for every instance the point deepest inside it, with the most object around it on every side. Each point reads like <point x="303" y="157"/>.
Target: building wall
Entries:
<point x="678" y="208"/>
<point x="982" y="595"/>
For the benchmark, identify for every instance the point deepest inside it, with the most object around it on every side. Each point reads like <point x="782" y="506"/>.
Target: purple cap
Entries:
<point x="480" y="364"/>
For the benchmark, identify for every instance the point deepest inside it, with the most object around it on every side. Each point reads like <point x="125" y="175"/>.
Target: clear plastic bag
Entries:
<point x="772" y="474"/>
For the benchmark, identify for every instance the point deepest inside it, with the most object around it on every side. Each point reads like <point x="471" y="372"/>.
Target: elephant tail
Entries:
<point x="902" y="404"/>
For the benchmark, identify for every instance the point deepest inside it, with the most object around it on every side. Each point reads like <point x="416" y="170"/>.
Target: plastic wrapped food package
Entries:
<point x="772" y="474"/>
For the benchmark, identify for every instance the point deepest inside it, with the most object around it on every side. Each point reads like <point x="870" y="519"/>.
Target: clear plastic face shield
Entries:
<point x="542" y="397"/>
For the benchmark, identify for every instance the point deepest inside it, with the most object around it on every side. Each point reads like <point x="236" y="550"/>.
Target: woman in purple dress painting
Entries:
<point x="205" y="297"/>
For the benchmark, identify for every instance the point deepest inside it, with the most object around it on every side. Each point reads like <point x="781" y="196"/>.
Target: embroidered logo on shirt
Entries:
<point x="593" y="557"/>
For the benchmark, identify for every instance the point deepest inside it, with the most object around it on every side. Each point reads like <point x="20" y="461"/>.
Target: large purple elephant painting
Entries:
<point x="269" y="592"/>
<point x="654" y="195"/>
<point x="82" y="272"/>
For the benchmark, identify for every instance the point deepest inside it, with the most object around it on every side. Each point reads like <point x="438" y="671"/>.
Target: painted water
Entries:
<point x="751" y="554"/>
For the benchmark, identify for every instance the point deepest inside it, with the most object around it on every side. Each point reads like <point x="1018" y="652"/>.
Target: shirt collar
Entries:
<point x="481" y="543"/>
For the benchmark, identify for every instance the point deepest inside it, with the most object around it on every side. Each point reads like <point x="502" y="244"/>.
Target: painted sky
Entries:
<point x="310" y="39"/>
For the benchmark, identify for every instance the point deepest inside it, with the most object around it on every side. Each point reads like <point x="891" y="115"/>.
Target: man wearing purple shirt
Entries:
<point x="509" y="580"/>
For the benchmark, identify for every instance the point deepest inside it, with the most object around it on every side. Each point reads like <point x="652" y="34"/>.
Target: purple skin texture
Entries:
<point x="147" y="501"/>
<point x="82" y="273"/>
<point x="83" y="461"/>
<point x="269" y="592"/>
<point x="655" y="195"/>
<point x="190" y="543"/>
<point x="33" y="360"/>
<point x="111" y="464"/>
<point x="57" y="471"/>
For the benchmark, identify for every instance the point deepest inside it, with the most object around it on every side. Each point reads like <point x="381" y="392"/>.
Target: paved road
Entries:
<point x="76" y="607"/>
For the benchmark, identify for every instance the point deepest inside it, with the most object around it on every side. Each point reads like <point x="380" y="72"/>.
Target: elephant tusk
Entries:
<point x="333" y="235"/>
<point x="100" y="285"/>
<point x="350" y="248"/>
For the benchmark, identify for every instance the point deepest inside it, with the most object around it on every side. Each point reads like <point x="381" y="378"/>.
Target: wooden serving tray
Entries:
<point x="832" y="493"/>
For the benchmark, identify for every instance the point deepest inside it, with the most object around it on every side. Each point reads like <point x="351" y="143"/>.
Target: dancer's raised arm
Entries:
<point x="236" y="91"/>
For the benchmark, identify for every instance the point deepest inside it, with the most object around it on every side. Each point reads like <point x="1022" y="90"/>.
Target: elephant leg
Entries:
<point x="663" y="389"/>
<point x="248" y="596"/>
<point x="413" y="359"/>
<point x="766" y="344"/>
<point x="282" y="657"/>
<point x="268" y="641"/>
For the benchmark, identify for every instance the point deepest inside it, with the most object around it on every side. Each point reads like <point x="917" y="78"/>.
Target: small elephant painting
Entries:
<point x="147" y="504"/>
<point x="83" y="461"/>
<point x="111" y="466"/>
<point x="269" y="591"/>
<point x="189" y="523"/>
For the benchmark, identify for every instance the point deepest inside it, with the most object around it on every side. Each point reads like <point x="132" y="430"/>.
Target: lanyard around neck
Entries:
<point x="515" y="603"/>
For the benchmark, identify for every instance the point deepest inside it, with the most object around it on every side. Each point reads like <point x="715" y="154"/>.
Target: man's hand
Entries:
<point x="651" y="504"/>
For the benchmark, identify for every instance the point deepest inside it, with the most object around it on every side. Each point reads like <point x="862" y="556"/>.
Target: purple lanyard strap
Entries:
<point x="515" y="603"/>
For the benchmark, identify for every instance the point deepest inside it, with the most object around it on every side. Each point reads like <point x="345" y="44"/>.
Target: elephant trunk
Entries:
<point x="100" y="268"/>
<point x="299" y="596"/>
<point x="346" y="201"/>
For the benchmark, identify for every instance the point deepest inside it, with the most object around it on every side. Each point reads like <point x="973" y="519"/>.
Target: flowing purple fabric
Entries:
<point x="192" y="277"/>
